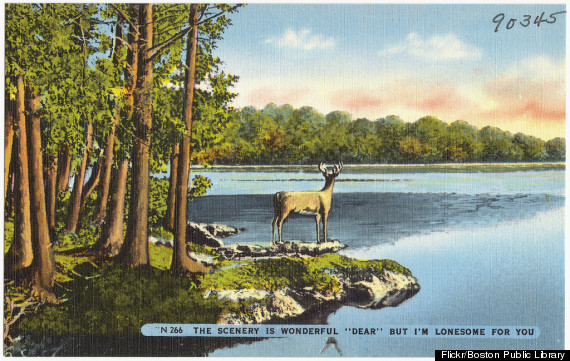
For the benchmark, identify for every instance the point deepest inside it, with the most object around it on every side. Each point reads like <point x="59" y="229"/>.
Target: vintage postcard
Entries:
<point x="284" y="180"/>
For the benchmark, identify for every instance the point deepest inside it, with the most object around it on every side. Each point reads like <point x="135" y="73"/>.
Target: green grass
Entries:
<point x="273" y="274"/>
<point x="118" y="301"/>
<point x="333" y="260"/>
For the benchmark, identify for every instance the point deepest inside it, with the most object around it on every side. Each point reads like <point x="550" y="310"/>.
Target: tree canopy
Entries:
<point x="283" y="135"/>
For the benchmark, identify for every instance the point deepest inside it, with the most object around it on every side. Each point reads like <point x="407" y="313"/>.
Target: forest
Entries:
<point x="101" y="97"/>
<point x="90" y="95"/>
<point x="284" y="135"/>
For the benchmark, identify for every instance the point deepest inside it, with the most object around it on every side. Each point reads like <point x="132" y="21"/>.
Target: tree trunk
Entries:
<point x="103" y="190"/>
<point x="171" y="199"/>
<point x="75" y="206"/>
<point x="104" y="181"/>
<point x="51" y="194"/>
<point x="43" y="264"/>
<point x="91" y="183"/>
<point x="10" y="115"/>
<point x="112" y="231"/>
<point x="20" y="254"/>
<point x="63" y="167"/>
<point x="134" y="252"/>
<point x="181" y="263"/>
<point x="10" y="194"/>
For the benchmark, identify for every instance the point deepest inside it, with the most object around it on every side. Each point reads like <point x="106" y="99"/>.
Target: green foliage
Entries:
<point x="159" y="194"/>
<point x="200" y="185"/>
<point x="556" y="149"/>
<point x="160" y="232"/>
<point x="160" y="256"/>
<point x="157" y="202"/>
<point x="284" y="135"/>
<point x="118" y="301"/>
<point x="271" y="274"/>
<point x="86" y="237"/>
<point x="333" y="260"/>
<point x="8" y="233"/>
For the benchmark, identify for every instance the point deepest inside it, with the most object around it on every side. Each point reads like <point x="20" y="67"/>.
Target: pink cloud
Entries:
<point x="519" y="97"/>
<point x="425" y="98"/>
<point x="444" y="99"/>
<point x="357" y="101"/>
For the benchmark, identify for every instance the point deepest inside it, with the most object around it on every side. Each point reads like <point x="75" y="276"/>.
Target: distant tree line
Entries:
<point x="284" y="135"/>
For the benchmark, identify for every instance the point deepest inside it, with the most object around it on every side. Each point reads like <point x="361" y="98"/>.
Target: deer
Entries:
<point x="307" y="203"/>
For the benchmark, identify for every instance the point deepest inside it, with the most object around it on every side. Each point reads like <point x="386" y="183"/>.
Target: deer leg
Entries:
<point x="325" y="228"/>
<point x="280" y="230"/>
<point x="318" y="221"/>
<point x="273" y="229"/>
<point x="280" y="226"/>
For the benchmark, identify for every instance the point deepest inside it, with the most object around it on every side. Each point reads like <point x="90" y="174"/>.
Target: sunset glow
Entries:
<point x="408" y="60"/>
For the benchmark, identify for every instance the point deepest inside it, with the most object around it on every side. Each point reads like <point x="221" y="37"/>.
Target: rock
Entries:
<point x="238" y="295"/>
<point x="202" y="234"/>
<point x="222" y="230"/>
<point x="199" y="234"/>
<point x="393" y="289"/>
<point x="302" y="249"/>
<point x="365" y="289"/>
<point x="204" y="259"/>
<point x="161" y="241"/>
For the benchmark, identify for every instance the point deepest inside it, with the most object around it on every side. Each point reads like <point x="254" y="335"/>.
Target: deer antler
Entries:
<point x="322" y="168"/>
<point x="337" y="168"/>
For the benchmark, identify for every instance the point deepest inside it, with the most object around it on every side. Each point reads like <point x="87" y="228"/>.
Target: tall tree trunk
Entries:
<point x="103" y="190"/>
<point x="75" y="206"/>
<point x="51" y="193"/>
<point x="20" y="254"/>
<point x="171" y="199"/>
<point x="134" y="252"/>
<point x="181" y="263"/>
<point x="43" y="264"/>
<point x="10" y="115"/>
<point x="91" y="183"/>
<point x="10" y="195"/>
<point x="105" y="178"/>
<point x="112" y="232"/>
<point x="63" y="167"/>
<point x="111" y="238"/>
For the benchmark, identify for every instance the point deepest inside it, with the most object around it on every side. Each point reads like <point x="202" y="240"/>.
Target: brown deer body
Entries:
<point x="308" y="203"/>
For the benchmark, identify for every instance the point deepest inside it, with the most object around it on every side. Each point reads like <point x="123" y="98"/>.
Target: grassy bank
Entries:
<point x="101" y="299"/>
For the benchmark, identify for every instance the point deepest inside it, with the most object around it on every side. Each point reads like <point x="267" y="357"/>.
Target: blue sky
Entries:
<point x="373" y="60"/>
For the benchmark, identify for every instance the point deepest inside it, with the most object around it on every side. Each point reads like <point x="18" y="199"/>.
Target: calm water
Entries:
<point x="487" y="249"/>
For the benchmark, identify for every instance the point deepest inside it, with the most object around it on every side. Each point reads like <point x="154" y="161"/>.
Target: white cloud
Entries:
<point x="438" y="47"/>
<point x="303" y="39"/>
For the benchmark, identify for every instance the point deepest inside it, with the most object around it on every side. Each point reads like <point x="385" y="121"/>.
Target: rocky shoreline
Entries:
<point x="363" y="287"/>
<point x="366" y="289"/>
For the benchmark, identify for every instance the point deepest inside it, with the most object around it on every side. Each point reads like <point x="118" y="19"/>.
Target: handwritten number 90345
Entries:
<point x="526" y="20"/>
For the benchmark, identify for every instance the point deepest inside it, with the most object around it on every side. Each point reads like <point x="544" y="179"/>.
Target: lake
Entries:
<point x="486" y="247"/>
